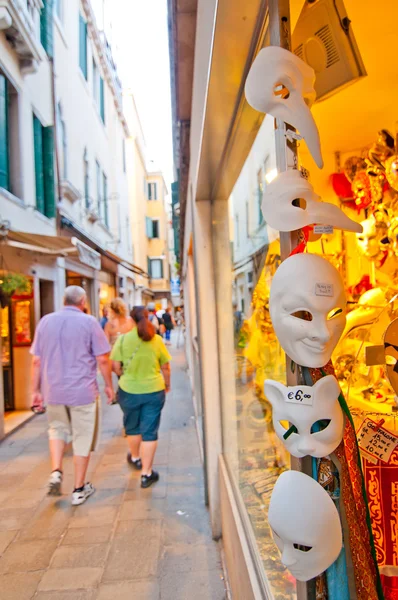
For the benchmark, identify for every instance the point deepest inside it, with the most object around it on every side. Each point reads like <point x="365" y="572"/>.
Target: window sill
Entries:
<point x="11" y="198"/>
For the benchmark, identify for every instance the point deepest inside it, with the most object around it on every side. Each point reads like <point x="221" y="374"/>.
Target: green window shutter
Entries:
<point x="149" y="228"/>
<point x="155" y="191"/>
<point x="4" y="164"/>
<point x="105" y="200"/>
<point x="83" y="45"/>
<point x="38" y="147"/>
<point x="149" y="191"/>
<point x="102" y="100"/>
<point x="161" y="268"/>
<point x="46" y="27"/>
<point x="48" y="171"/>
<point x="149" y="265"/>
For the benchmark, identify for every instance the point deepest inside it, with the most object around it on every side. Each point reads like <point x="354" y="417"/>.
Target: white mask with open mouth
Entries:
<point x="282" y="85"/>
<point x="310" y="417"/>
<point x="308" y="308"/>
<point x="305" y="525"/>
<point x="281" y="214"/>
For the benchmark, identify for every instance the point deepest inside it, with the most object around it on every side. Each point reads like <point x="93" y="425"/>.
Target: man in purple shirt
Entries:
<point x="67" y="348"/>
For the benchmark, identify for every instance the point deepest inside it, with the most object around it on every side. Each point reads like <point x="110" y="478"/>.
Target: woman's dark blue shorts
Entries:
<point x="141" y="413"/>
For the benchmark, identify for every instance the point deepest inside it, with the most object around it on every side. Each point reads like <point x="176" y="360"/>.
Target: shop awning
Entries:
<point x="50" y="245"/>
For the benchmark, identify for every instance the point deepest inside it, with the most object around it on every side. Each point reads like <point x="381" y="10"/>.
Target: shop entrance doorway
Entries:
<point x="46" y="297"/>
<point x="6" y="348"/>
<point x="73" y="278"/>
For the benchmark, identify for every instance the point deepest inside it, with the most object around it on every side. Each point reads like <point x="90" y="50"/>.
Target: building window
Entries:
<point x="83" y="46"/>
<point x="260" y="189"/>
<point x="105" y="215"/>
<point x="152" y="228"/>
<point x="86" y="175"/>
<point x="99" y="187"/>
<point x="95" y="82"/>
<point x="155" y="268"/>
<point x="152" y="191"/>
<point x="102" y="99"/>
<point x="62" y="143"/>
<point x="59" y="9"/>
<point x="44" y="168"/>
<point x="46" y="27"/>
<point x="124" y="155"/>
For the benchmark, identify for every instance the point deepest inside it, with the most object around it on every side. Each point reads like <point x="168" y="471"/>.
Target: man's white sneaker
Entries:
<point x="78" y="497"/>
<point x="54" y="484"/>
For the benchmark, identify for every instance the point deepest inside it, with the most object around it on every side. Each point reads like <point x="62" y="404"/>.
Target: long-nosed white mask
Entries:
<point x="305" y="525"/>
<point x="308" y="308"/>
<point x="281" y="214"/>
<point x="282" y="85"/>
<point x="308" y="420"/>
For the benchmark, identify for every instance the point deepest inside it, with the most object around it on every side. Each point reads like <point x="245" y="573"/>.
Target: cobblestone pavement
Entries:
<point x="124" y="543"/>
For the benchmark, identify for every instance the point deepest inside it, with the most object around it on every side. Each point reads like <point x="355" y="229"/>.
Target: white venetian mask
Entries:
<point x="305" y="525"/>
<point x="310" y="417"/>
<point x="281" y="214"/>
<point x="282" y="85"/>
<point x="308" y="308"/>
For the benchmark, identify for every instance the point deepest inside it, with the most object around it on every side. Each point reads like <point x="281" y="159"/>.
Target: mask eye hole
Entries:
<point x="302" y="548"/>
<point x="286" y="426"/>
<point x="335" y="312"/>
<point x="281" y="91"/>
<point x="299" y="203"/>
<point x="304" y="315"/>
<point x="320" y="425"/>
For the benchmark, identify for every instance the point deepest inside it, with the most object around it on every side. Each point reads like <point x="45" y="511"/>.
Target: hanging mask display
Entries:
<point x="281" y="214"/>
<point x="305" y="525"/>
<point x="308" y="420"/>
<point x="373" y="241"/>
<point x="282" y="85"/>
<point x="308" y="308"/>
<point x="391" y="354"/>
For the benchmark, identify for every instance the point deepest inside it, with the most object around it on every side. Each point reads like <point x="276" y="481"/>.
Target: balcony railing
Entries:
<point x="20" y="21"/>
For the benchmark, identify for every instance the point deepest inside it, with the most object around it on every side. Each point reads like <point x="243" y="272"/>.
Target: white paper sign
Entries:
<point x="323" y="229"/>
<point x="324" y="289"/>
<point x="299" y="397"/>
<point x="376" y="441"/>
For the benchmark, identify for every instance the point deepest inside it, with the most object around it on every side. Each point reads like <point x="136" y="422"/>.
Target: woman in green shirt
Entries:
<point x="142" y="361"/>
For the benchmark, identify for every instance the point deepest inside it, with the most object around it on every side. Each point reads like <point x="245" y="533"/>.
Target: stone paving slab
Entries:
<point x="125" y="543"/>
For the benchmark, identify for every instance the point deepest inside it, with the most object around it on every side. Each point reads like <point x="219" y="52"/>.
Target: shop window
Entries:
<point x="44" y="168"/>
<point x="152" y="191"/>
<point x="83" y="46"/>
<point x="155" y="268"/>
<point x="9" y="138"/>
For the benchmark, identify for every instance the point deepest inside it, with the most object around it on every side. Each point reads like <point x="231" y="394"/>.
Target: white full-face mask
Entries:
<point x="305" y="525"/>
<point x="281" y="214"/>
<point x="314" y="414"/>
<point x="282" y="85"/>
<point x="308" y="308"/>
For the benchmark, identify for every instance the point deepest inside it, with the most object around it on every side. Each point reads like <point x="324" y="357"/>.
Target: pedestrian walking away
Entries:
<point x="118" y="322"/>
<point x="104" y="319"/>
<point x="169" y="324"/>
<point x="142" y="361"/>
<point x="152" y="316"/>
<point x="67" y="349"/>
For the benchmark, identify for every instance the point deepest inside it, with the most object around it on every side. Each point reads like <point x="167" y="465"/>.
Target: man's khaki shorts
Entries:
<point x="76" y="424"/>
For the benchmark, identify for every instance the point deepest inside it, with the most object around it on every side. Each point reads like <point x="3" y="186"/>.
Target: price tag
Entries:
<point x="324" y="289"/>
<point x="376" y="441"/>
<point x="323" y="229"/>
<point x="298" y="395"/>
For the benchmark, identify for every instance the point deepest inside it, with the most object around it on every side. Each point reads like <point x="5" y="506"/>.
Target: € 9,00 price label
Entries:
<point x="376" y="441"/>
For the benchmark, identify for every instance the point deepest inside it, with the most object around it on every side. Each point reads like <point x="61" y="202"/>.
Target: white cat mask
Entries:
<point x="310" y="418"/>
<point x="273" y="69"/>
<point x="281" y="214"/>
<point x="305" y="525"/>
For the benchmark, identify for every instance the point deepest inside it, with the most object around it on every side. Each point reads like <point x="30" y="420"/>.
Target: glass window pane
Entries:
<point x="156" y="268"/>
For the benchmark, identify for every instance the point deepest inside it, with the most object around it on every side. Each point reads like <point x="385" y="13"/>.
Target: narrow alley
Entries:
<point x="125" y="542"/>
